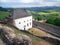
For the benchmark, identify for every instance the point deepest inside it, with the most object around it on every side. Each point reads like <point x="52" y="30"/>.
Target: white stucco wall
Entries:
<point x="20" y="22"/>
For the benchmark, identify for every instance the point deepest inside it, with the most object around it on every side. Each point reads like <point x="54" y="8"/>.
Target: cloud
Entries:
<point x="3" y="0"/>
<point x="29" y="3"/>
<point x="23" y="1"/>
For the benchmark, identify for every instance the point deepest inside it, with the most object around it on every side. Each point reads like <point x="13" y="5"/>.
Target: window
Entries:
<point x="27" y="24"/>
<point x="19" y="23"/>
<point x="30" y="23"/>
<point x="24" y="27"/>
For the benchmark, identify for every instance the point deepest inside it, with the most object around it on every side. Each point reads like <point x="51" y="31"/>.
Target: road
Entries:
<point x="55" y="30"/>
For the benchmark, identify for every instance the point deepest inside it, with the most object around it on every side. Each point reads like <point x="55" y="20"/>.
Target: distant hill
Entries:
<point x="57" y="8"/>
<point x="5" y="9"/>
<point x="38" y="9"/>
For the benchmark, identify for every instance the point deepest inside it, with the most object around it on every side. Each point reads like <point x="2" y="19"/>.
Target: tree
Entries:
<point x="51" y="20"/>
<point x="57" y="21"/>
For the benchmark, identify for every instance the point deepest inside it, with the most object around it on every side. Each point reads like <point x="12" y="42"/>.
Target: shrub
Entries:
<point x="51" y="20"/>
<point x="54" y="21"/>
<point x="57" y="21"/>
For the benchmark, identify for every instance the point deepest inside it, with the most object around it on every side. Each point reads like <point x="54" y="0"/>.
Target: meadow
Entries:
<point x="51" y="16"/>
<point x="3" y="14"/>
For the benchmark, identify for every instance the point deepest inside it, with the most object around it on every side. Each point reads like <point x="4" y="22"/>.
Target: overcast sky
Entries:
<point x="29" y="3"/>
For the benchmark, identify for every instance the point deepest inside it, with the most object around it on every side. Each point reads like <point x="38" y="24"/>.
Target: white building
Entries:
<point x="21" y="19"/>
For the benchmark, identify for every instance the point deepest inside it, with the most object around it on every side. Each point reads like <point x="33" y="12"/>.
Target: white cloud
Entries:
<point x="27" y="1"/>
<point x="19" y="3"/>
<point x="3" y="0"/>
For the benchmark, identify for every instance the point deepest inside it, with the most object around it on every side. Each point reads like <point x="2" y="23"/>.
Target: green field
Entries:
<point x="45" y="12"/>
<point x="3" y="14"/>
<point x="51" y="16"/>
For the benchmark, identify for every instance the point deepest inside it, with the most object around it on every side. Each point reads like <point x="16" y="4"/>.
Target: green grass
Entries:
<point x="51" y="12"/>
<point x="3" y="14"/>
<point x="42" y="13"/>
<point x="46" y="12"/>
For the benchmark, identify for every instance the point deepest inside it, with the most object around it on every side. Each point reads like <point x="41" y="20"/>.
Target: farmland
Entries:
<point x="52" y="16"/>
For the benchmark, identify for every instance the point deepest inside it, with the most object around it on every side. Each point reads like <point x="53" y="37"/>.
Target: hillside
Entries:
<point x="38" y="9"/>
<point x="50" y="14"/>
<point x="3" y="14"/>
<point x="43" y="40"/>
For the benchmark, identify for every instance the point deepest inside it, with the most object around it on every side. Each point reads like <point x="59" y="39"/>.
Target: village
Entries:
<point x="19" y="28"/>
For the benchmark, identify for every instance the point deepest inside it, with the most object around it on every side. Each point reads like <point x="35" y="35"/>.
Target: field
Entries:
<point x="51" y="16"/>
<point x="49" y="12"/>
<point x="3" y="14"/>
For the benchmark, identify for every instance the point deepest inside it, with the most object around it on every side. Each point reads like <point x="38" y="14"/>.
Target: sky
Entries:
<point x="29" y="3"/>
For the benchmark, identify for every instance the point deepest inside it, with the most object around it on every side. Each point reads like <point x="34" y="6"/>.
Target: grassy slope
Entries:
<point x="3" y="14"/>
<point x="45" y="12"/>
<point x="35" y="40"/>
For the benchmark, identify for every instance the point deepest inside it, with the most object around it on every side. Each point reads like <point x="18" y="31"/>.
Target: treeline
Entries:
<point x="54" y="21"/>
<point x="5" y="9"/>
<point x="39" y="9"/>
<point x="50" y="18"/>
<point x="38" y="17"/>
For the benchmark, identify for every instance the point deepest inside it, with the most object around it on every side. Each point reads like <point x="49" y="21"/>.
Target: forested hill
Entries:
<point x="38" y="9"/>
<point x="50" y="14"/>
<point x="5" y="9"/>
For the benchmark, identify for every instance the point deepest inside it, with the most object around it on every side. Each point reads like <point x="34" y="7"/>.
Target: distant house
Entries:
<point x="21" y="19"/>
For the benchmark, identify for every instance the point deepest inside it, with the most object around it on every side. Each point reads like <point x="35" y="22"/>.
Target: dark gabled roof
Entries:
<point x="20" y="13"/>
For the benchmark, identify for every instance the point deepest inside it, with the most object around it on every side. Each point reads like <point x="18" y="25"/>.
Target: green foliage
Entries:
<point x="57" y="21"/>
<point x="37" y="17"/>
<point x="51" y="20"/>
<point x="3" y="14"/>
<point x="54" y="21"/>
